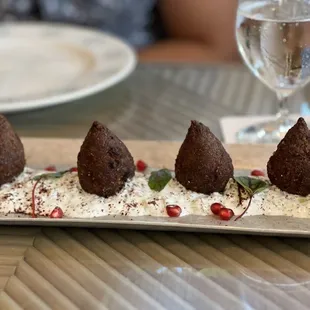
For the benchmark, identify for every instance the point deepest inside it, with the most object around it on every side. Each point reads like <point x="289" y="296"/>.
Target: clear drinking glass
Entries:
<point x="273" y="38"/>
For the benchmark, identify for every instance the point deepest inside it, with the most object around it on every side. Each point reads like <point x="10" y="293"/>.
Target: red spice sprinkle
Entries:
<point x="257" y="173"/>
<point x="33" y="198"/>
<point x="50" y="168"/>
<point x="73" y="169"/>
<point x="57" y="213"/>
<point x="141" y="166"/>
<point x="173" y="210"/>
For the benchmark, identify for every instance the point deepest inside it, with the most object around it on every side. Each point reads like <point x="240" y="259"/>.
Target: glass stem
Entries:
<point x="283" y="111"/>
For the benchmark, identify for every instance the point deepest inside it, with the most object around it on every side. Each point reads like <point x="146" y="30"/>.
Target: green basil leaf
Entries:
<point x="252" y="185"/>
<point x="159" y="179"/>
<point x="54" y="175"/>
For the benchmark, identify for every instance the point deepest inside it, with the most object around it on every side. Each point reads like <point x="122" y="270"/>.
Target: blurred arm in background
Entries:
<point x="194" y="30"/>
<point x="198" y="30"/>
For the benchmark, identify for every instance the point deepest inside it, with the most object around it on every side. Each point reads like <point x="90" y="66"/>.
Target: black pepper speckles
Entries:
<point x="141" y="202"/>
<point x="5" y="197"/>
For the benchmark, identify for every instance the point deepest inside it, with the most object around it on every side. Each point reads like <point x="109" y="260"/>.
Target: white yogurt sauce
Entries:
<point x="137" y="199"/>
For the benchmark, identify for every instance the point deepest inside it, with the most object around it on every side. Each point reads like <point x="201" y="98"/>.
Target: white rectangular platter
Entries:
<point x="62" y="153"/>
<point x="253" y="225"/>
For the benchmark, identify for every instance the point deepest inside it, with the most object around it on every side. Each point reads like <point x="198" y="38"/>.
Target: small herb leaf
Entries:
<point x="252" y="185"/>
<point x="55" y="175"/>
<point x="159" y="179"/>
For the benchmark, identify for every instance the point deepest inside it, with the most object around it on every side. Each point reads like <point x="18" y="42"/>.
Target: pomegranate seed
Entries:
<point x="173" y="210"/>
<point x="216" y="208"/>
<point x="57" y="213"/>
<point x="50" y="168"/>
<point x="73" y="169"/>
<point x="141" y="166"/>
<point x="257" y="173"/>
<point x="226" y="214"/>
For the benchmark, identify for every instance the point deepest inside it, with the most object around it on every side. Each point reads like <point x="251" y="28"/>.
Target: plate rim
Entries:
<point x="132" y="224"/>
<point x="53" y="100"/>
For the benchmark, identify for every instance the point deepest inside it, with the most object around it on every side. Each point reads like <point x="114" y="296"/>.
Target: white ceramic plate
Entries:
<point x="45" y="64"/>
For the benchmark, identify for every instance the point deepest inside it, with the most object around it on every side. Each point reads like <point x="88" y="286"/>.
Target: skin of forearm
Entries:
<point x="186" y="51"/>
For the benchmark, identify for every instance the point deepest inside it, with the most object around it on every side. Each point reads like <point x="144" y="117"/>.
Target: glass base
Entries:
<point x="268" y="132"/>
